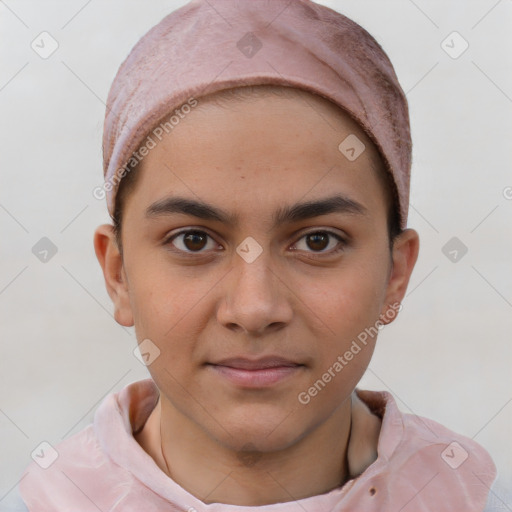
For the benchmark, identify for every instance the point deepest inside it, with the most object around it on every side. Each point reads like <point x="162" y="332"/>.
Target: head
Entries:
<point x="293" y="252"/>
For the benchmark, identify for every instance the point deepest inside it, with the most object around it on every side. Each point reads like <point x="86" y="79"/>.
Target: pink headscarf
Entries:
<point x="204" y="47"/>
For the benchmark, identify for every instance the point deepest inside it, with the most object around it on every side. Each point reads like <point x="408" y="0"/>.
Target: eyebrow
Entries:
<point x="284" y="214"/>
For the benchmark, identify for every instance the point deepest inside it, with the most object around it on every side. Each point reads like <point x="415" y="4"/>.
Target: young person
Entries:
<point x="257" y="158"/>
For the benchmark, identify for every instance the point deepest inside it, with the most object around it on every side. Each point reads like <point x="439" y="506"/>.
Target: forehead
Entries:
<point x="269" y="144"/>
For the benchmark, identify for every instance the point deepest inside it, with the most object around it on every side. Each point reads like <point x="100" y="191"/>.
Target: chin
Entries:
<point x="260" y="428"/>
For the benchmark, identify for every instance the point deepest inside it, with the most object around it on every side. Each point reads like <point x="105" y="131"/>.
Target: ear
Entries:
<point x="404" y="255"/>
<point x="111" y="263"/>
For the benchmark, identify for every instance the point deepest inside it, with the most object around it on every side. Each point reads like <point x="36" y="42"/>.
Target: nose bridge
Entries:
<point x="254" y="273"/>
<point x="254" y="297"/>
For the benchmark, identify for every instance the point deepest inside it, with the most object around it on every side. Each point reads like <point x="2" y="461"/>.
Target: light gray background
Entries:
<point x="448" y="356"/>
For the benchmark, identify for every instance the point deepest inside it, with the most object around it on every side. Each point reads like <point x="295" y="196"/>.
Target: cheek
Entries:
<point x="165" y="303"/>
<point x="348" y="303"/>
<point x="348" y="300"/>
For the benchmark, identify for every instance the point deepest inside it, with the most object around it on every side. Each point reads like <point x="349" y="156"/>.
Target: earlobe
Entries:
<point x="111" y="263"/>
<point x="404" y="254"/>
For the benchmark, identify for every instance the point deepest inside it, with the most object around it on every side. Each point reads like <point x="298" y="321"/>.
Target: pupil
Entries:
<point x="322" y="237"/>
<point x="193" y="237"/>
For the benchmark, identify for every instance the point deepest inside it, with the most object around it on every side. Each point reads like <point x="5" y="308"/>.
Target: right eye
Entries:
<point x="190" y="241"/>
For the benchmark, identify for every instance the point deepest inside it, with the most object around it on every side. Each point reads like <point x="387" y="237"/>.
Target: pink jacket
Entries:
<point x="421" y="466"/>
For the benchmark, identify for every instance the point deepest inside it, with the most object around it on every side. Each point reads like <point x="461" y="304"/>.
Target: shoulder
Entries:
<point x="75" y="474"/>
<point x="421" y="461"/>
<point x="93" y="469"/>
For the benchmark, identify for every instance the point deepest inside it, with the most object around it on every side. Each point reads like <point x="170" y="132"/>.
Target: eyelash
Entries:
<point x="339" y="248"/>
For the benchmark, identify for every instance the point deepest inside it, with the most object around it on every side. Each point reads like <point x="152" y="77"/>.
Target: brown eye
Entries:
<point x="320" y="241"/>
<point x="317" y="241"/>
<point x="195" y="240"/>
<point x="191" y="241"/>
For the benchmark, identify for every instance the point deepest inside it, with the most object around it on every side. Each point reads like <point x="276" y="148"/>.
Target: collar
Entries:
<point x="420" y="462"/>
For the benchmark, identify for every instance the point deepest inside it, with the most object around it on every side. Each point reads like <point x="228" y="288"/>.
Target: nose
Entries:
<point x="256" y="297"/>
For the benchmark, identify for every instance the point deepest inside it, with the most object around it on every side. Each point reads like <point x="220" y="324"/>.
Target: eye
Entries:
<point x="195" y="241"/>
<point x="191" y="241"/>
<point x="318" y="241"/>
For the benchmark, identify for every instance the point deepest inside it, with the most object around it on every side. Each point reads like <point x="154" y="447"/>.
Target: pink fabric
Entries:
<point x="104" y="468"/>
<point x="204" y="47"/>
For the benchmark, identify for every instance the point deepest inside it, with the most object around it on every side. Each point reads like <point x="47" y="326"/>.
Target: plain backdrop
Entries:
<point x="448" y="356"/>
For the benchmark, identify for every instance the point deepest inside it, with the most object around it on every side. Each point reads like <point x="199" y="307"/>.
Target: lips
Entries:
<point x="255" y="373"/>
<point x="263" y="363"/>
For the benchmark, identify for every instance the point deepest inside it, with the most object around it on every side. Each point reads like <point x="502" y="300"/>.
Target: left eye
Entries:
<point x="319" y="240"/>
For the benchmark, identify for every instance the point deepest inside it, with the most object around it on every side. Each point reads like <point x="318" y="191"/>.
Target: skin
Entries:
<point x="298" y="299"/>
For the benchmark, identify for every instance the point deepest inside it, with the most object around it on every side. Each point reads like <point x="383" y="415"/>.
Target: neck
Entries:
<point x="215" y="473"/>
<point x="242" y="479"/>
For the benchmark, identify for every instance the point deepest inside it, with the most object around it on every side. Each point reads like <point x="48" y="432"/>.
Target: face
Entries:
<point x="250" y="292"/>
